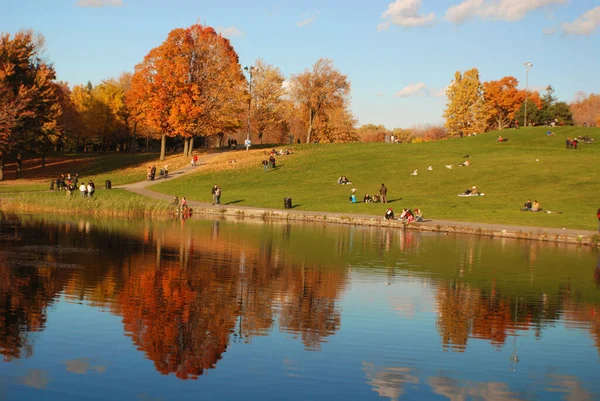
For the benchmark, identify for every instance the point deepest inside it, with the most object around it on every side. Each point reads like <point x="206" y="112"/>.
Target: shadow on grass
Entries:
<point x="234" y="202"/>
<point x="295" y="206"/>
<point x="394" y="200"/>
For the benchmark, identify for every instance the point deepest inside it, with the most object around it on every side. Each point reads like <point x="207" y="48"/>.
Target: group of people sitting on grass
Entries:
<point x="531" y="207"/>
<point x="371" y="199"/>
<point x="407" y="215"/>
<point x="280" y="152"/>
<point x="471" y="191"/>
<point x="343" y="180"/>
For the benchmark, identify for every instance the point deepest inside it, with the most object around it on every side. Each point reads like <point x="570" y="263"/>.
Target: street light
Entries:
<point x="528" y="66"/>
<point x="249" y="70"/>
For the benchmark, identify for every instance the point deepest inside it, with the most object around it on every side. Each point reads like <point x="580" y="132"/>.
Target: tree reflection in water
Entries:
<point x="186" y="290"/>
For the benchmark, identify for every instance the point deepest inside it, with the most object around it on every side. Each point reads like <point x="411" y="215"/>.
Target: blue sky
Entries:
<point x="398" y="54"/>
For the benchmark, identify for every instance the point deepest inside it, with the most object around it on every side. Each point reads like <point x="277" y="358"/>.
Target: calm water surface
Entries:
<point x="230" y="310"/>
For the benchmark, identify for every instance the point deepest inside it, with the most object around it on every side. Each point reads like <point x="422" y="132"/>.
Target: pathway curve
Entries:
<point x="143" y="188"/>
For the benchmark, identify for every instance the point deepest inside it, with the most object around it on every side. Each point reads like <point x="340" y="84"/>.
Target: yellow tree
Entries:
<point x="267" y="97"/>
<point x="337" y="125"/>
<point x="465" y="110"/>
<point x="319" y="90"/>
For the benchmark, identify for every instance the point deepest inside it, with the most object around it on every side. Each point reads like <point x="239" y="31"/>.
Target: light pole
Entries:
<point x="249" y="70"/>
<point x="528" y="66"/>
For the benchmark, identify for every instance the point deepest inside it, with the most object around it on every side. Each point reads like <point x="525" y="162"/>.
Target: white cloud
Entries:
<point x="99" y="3"/>
<point x="505" y="10"/>
<point x="441" y="92"/>
<point x="308" y="20"/>
<point x="404" y="13"/>
<point x="229" y="31"/>
<point x="584" y="25"/>
<point x="411" y="90"/>
<point x="549" y="31"/>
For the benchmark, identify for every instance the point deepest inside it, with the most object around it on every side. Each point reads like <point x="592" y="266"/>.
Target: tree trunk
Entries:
<point x="19" y="166"/>
<point x="163" y="145"/>
<point x="43" y="160"/>
<point x="147" y="143"/>
<point x="1" y="168"/>
<point x="311" y="120"/>
<point x="191" y="147"/>
<point x="186" y="143"/>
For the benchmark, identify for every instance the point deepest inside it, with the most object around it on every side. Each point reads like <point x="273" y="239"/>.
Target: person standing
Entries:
<point x="383" y="193"/>
<point x="598" y="214"/>
<point x="214" y="194"/>
<point x="218" y="195"/>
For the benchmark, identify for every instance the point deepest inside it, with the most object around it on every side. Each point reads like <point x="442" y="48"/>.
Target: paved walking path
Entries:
<point x="144" y="188"/>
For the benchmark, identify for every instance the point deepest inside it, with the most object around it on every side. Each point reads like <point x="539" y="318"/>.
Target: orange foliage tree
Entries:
<point x="503" y="100"/>
<point x="190" y="85"/>
<point x="29" y="103"/>
<point x="586" y="109"/>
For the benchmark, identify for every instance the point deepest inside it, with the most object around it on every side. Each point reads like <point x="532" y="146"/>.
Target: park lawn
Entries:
<point x="119" y="168"/>
<point x="115" y="202"/>
<point x="508" y="173"/>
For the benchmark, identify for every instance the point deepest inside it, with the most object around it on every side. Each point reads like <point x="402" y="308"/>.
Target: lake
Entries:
<point x="224" y="309"/>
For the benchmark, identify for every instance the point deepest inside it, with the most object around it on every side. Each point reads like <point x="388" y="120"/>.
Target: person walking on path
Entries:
<point x="383" y="193"/>
<point x="214" y="194"/>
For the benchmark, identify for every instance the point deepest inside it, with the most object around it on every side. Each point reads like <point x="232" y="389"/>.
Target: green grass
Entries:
<point x="562" y="180"/>
<point x="115" y="202"/>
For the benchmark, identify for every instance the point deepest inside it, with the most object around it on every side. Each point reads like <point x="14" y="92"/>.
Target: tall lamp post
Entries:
<point x="528" y="66"/>
<point x="249" y="70"/>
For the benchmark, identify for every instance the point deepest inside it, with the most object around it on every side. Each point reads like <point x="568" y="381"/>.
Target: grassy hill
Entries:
<point x="530" y="165"/>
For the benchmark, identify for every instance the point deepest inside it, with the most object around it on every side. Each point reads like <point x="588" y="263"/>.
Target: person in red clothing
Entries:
<point x="598" y="214"/>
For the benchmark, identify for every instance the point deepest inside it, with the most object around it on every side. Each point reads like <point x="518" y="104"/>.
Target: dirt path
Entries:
<point x="144" y="188"/>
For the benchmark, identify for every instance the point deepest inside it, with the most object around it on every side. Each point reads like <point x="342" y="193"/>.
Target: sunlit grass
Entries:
<point x="114" y="202"/>
<point x="530" y="165"/>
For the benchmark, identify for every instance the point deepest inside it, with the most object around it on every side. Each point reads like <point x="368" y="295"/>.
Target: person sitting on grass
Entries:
<point x="407" y="215"/>
<point x="466" y="163"/>
<point x="367" y="199"/>
<point x="376" y="198"/>
<point x="527" y="206"/>
<point x="353" y="195"/>
<point x="418" y="215"/>
<point x="471" y="191"/>
<point x="389" y="214"/>
<point x="343" y="180"/>
<point x="536" y="206"/>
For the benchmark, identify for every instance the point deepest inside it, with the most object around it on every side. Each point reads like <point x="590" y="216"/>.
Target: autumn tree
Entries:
<point x="402" y="135"/>
<point x="586" y="109"/>
<point x="319" y="90"/>
<point x="466" y="109"/>
<point x="29" y="105"/>
<point x="534" y="107"/>
<point x="503" y="99"/>
<point x="372" y="133"/>
<point x="190" y="85"/>
<point x="337" y="125"/>
<point x="267" y="97"/>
